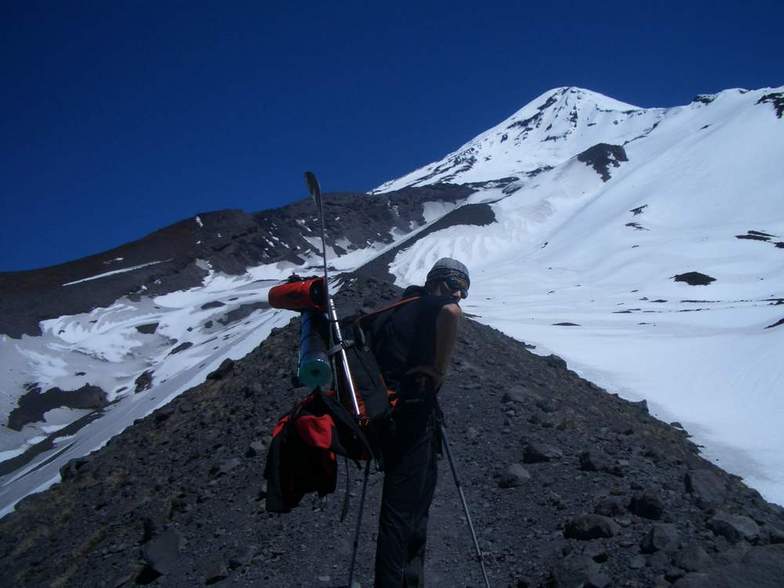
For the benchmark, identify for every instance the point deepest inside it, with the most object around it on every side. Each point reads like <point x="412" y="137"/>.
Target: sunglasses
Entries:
<point x="454" y="283"/>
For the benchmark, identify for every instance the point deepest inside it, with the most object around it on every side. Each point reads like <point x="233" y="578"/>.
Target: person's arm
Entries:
<point x="446" y="335"/>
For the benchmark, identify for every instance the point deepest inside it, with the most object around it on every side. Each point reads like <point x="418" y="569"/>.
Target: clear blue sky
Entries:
<point x="118" y="118"/>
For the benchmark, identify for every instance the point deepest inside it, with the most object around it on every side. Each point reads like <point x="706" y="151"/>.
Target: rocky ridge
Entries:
<point x="179" y="256"/>
<point x="568" y="486"/>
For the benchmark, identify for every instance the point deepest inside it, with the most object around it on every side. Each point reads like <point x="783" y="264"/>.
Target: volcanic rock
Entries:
<point x="223" y="369"/>
<point x="760" y="567"/>
<point x="707" y="487"/>
<point x="33" y="404"/>
<point x="143" y="381"/>
<point x="215" y="571"/>
<point x="775" y="534"/>
<point x="161" y="553"/>
<point x="637" y="562"/>
<point x="598" y="461"/>
<point x="693" y="558"/>
<point x="181" y="347"/>
<point x="538" y="453"/>
<point x="578" y="570"/>
<point x="611" y="506"/>
<point x="660" y="537"/>
<point x="590" y="526"/>
<point x="658" y="561"/>
<point x="601" y="156"/>
<point x="734" y="527"/>
<point x="647" y="505"/>
<point x="517" y="394"/>
<point x="694" y="278"/>
<point x="514" y="476"/>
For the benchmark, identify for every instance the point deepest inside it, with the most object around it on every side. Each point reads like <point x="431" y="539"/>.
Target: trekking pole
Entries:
<point x="336" y="337"/>
<point x="355" y="546"/>
<point x="445" y="441"/>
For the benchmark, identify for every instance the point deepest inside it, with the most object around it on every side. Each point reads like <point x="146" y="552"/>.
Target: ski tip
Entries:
<point x="312" y="183"/>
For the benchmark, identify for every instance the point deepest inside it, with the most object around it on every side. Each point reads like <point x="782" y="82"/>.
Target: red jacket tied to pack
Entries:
<point x="303" y="455"/>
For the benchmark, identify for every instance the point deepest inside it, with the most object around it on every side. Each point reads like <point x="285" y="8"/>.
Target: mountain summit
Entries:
<point x="547" y="131"/>
<point x="560" y="124"/>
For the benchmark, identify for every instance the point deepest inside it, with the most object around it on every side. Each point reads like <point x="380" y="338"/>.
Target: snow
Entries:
<point x="432" y="211"/>
<point x="119" y="271"/>
<point x="199" y="222"/>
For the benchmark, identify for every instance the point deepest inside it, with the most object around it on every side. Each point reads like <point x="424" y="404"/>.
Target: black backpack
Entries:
<point x="375" y="357"/>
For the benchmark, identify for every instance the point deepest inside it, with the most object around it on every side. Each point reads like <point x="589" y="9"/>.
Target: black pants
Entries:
<point x="411" y="472"/>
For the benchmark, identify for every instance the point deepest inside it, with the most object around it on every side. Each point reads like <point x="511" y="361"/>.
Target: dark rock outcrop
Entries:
<point x="694" y="278"/>
<point x="33" y="404"/>
<point x="147" y="329"/>
<point x="143" y="381"/>
<point x="602" y="156"/>
<point x="776" y="99"/>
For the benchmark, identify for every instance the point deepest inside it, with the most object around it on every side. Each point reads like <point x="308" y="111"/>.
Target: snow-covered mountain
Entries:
<point x="588" y="224"/>
<point x="609" y="218"/>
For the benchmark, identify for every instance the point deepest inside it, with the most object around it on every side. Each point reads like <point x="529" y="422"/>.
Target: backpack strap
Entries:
<point x="388" y="307"/>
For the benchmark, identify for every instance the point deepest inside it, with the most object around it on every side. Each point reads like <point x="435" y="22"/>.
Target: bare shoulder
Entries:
<point x="451" y="311"/>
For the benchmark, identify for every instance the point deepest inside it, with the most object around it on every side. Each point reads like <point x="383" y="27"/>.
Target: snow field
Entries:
<point x="563" y="251"/>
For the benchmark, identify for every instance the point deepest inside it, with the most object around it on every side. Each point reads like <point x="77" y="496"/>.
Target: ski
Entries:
<point x="335" y="336"/>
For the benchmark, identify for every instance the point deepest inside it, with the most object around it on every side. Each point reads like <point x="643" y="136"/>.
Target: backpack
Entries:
<point x="302" y="456"/>
<point x="373" y="351"/>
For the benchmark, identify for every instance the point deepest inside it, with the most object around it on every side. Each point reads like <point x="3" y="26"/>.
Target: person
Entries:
<point x="417" y="338"/>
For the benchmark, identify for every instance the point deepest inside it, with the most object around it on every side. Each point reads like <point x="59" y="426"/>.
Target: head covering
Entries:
<point x="447" y="267"/>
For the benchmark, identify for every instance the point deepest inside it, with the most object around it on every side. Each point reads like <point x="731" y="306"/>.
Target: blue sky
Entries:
<point x="119" y="118"/>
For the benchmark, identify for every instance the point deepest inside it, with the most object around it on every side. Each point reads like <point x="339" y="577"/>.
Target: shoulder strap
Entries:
<point x="388" y="307"/>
